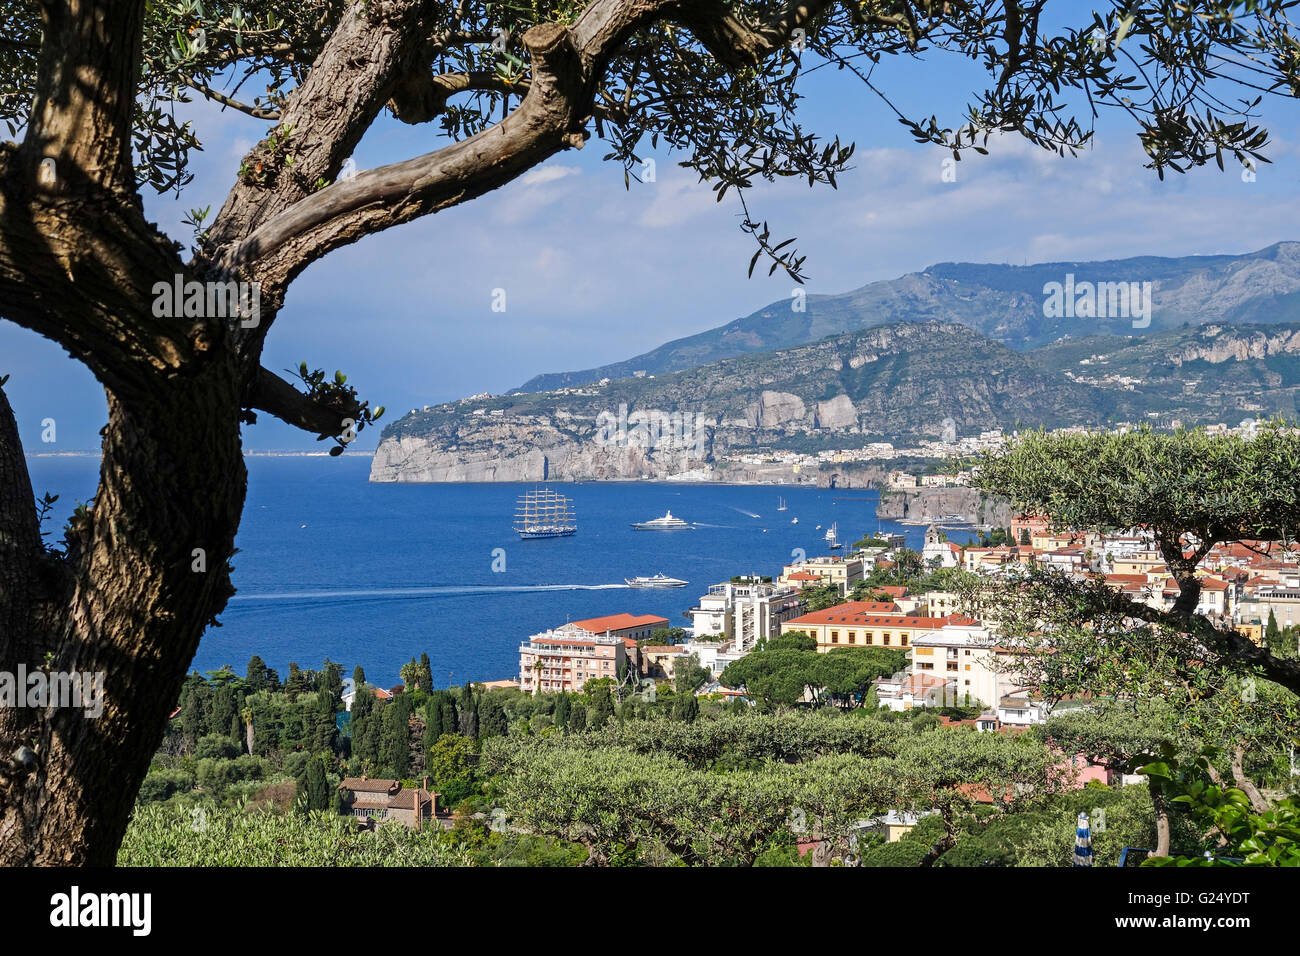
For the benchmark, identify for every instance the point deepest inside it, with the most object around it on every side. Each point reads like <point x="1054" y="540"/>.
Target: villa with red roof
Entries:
<point x="865" y="624"/>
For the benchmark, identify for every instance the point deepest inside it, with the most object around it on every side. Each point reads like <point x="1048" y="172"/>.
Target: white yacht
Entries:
<point x="666" y="523"/>
<point x="656" y="581"/>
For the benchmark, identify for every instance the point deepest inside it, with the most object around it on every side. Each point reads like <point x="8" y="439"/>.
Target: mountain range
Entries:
<point x="1006" y="303"/>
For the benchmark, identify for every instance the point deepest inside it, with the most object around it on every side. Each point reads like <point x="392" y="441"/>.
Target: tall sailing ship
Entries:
<point x="543" y="513"/>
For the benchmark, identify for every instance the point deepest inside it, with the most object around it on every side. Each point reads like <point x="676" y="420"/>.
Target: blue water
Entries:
<point x="374" y="574"/>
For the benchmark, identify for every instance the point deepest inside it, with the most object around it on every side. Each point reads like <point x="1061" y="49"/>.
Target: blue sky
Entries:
<point x="594" y="273"/>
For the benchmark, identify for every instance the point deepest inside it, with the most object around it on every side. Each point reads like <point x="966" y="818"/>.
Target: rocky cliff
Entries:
<point x="899" y="383"/>
<point x="931" y="504"/>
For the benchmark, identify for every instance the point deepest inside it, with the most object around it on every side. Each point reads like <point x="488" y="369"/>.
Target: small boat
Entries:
<point x="832" y="538"/>
<point x="656" y="581"/>
<point x="666" y="523"/>
<point x="794" y="520"/>
<point x="780" y="504"/>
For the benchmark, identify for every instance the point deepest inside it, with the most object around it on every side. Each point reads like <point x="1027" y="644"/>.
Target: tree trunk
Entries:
<point x="1162" y="821"/>
<point x="1245" y="784"/>
<point x="146" y="570"/>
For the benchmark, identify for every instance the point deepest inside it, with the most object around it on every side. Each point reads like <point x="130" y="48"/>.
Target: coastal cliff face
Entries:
<point x="747" y="419"/>
<point x="930" y="504"/>
<point x="839" y="392"/>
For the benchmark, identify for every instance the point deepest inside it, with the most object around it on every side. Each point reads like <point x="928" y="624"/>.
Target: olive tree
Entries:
<point x="1193" y="491"/>
<point x="90" y="90"/>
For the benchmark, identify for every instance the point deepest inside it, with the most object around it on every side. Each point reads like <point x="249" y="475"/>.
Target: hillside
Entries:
<point x="895" y="383"/>
<point x="1003" y="302"/>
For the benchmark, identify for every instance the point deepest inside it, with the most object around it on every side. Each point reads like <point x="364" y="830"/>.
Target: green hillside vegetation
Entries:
<point x="909" y="377"/>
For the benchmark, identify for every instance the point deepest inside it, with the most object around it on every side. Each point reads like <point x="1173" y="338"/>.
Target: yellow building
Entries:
<point x="864" y="624"/>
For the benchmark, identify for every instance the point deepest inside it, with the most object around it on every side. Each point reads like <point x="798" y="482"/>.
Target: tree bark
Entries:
<point x="172" y="481"/>
<point x="1244" y="783"/>
<point x="1161" y="809"/>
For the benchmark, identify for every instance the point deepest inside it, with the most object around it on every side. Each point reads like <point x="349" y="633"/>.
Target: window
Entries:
<point x="903" y="640"/>
<point x="886" y="638"/>
<point x="870" y="637"/>
<point x="952" y="665"/>
<point x="853" y="637"/>
<point x="968" y="683"/>
<point x="968" y="653"/>
<point x="926" y="665"/>
<point x="835" y="637"/>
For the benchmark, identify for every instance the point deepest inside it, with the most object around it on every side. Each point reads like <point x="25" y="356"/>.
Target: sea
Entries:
<point x="333" y="565"/>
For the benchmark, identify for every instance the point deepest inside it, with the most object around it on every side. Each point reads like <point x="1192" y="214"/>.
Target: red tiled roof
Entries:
<point x="862" y="612"/>
<point x="619" y="622"/>
<point x="369" y="784"/>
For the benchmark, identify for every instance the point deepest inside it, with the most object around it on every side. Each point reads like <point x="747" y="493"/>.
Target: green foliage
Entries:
<point x="159" y="785"/>
<point x="450" y="764"/>
<point x="216" y="745"/>
<point x="173" y="836"/>
<point x="1268" y="838"/>
<point x="1221" y="487"/>
<point x="785" y="670"/>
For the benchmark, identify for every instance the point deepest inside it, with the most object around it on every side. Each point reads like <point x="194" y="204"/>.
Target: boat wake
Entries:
<point x="447" y="590"/>
<point x="743" y="511"/>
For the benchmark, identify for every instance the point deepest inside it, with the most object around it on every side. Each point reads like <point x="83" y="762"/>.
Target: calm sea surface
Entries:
<point x="331" y="565"/>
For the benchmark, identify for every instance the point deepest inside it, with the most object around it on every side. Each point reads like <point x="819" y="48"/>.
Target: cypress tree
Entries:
<point x="358" y="676"/>
<point x="578" y="719"/>
<point x="330" y="683"/>
<point x="297" y="682"/>
<point x="563" y="709"/>
<point x="602" y="707"/>
<point x="255" y="677"/>
<point x="492" y="719"/>
<point x="313" y="787"/>
<point x="468" y="712"/>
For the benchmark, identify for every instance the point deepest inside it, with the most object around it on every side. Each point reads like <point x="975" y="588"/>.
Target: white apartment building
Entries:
<point x="967" y="655"/>
<point x="745" y="611"/>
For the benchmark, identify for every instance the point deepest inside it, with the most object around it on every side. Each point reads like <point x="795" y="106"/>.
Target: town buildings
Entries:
<point x="745" y="611"/>
<point x="566" y="657"/>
